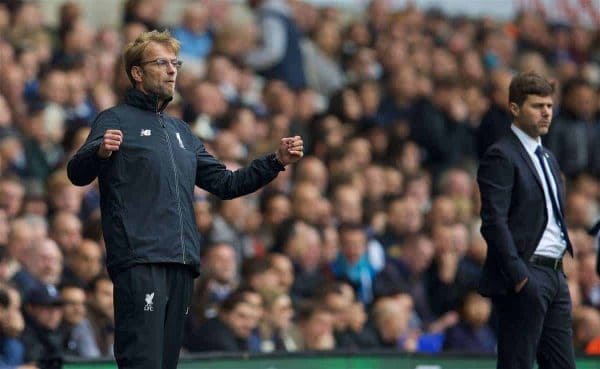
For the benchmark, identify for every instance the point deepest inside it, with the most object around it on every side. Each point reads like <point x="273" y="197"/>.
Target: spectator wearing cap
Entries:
<point x="43" y="315"/>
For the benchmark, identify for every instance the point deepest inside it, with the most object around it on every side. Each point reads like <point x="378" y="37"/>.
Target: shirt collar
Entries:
<point x="528" y="142"/>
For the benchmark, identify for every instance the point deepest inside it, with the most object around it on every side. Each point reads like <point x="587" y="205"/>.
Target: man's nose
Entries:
<point x="171" y="69"/>
<point x="546" y="111"/>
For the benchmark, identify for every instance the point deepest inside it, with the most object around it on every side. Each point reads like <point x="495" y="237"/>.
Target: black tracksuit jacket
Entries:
<point x="147" y="186"/>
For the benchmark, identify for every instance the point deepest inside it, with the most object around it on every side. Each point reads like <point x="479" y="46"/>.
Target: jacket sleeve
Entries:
<point x="85" y="165"/>
<point x="214" y="177"/>
<point x="496" y="179"/>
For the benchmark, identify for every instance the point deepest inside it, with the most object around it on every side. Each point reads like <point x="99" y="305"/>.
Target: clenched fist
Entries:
<point x="291" y="149"/>
<point x="110" y="142"/>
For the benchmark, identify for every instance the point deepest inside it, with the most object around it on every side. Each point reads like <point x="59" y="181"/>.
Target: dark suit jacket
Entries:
<point x="513" y="212"/>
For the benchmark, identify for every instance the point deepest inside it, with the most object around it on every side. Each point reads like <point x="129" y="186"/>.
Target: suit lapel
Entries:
<point x="557" y="179"/>
<point x="521" y="149"/>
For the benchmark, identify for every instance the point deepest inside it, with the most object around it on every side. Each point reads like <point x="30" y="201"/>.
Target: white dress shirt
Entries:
<point x="553" y="242"/>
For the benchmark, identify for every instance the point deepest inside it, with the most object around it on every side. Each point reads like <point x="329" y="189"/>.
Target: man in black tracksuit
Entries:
<point x="147" y="164"/>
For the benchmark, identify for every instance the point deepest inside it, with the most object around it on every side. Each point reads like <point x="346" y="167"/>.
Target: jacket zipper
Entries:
<point x="160" y="119"/>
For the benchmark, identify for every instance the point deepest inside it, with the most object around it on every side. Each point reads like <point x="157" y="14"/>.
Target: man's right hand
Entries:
<point x="110" y="142"/>
<point x="521" y="284"/>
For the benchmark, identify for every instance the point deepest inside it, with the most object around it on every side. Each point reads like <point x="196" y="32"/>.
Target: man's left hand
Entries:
<point x="291" y="149"/>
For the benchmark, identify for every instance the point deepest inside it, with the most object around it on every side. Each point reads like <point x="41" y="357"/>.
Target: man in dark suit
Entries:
<point x="522" y="198"/>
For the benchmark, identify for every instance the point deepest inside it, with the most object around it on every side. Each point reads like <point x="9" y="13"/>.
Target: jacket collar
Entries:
<point x="528" y="142"/>
<point x="144" y="101"/>
<point x="525" y="155"/>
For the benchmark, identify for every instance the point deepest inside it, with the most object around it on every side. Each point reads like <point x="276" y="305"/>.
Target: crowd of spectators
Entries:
<point x="370" y="242"/>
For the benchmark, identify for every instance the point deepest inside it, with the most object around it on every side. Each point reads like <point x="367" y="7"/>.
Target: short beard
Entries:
<point x="164" y="95"/>
<point x="160" y="92"/>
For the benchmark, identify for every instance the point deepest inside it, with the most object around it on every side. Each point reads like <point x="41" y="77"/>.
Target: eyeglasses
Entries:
<point x="162" y="63"/>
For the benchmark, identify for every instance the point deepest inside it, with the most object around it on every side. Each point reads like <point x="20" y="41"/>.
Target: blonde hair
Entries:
<point x="134" y="51"/>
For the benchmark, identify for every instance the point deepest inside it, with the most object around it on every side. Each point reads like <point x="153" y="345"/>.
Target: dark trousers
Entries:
<point x="151" y="303"/>
<point x="536" y="323"/>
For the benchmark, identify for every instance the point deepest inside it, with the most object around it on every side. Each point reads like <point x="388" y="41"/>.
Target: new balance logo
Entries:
<point x="149" y="303"/>
<point x="145" y="132"/>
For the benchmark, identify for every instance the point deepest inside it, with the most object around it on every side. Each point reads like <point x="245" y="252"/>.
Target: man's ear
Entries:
<point x="137" y="73"/>
<point x="514" y="109"/>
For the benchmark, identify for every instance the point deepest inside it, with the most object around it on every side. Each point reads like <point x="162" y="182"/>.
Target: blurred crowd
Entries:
<point x="370" y="242"/>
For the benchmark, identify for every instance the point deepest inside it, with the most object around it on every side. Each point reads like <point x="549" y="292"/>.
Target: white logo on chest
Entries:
<point x="149" y="303"/>
<point x="146" y="132"/>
